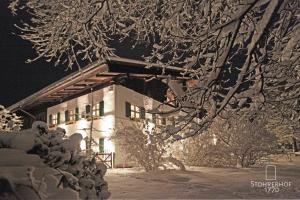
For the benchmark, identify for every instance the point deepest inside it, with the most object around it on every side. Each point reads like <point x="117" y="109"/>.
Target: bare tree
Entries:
<point x="284" y="122"/>
<point x="241" y="140"/>
<point x="240" y="52"/>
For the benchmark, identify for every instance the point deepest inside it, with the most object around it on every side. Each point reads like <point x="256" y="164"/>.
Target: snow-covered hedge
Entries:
<point x="41" y="164"/>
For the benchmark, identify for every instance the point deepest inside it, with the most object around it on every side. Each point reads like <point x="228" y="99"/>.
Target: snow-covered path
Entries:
<point x="202" y="182"/>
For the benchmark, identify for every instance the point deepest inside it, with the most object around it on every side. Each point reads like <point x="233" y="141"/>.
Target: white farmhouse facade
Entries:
<point x="113" y="108"/>
<point x="108" y="95"/>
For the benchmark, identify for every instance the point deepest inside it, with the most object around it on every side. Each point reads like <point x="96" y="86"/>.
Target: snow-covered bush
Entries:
<point x="237" y="141"/>
<point x="44" y="164"/>
<point x="148" y="148"/>
<point x="9" y="121"/>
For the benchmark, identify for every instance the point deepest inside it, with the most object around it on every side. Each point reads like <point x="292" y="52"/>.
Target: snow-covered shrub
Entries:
<point x="237" y="141"/>
<point x="147" y="148"/>
<point x="9" y="121"/>
<point x="51" y="166"/>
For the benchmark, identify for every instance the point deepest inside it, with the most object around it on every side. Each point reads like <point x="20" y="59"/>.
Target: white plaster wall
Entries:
<point x="122" y="95"/>
<point x="114" y="118"/>
<point x="104" y="125"/>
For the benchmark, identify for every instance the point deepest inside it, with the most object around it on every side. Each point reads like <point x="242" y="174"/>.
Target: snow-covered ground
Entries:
<point x="203" y="182"/>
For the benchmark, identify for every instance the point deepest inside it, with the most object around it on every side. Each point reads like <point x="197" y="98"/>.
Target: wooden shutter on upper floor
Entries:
<point x="76" y="113"/>
<point x="58" y="118"/>
<point x="67" y="116"/>
<point x="127" y="109"/>
<point x="142" y="113"/>
<point x="101" y="107"/>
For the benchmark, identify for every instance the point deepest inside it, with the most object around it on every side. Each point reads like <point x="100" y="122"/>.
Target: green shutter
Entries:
<point x="67" y="118"/>
<point x="101" y="107"/>
<point x="142" y="113"/>
<point x="101" y="145"/>
<point x="50" y="119"/>
<point x="58" y="118"/>
<point x="127" y="109"/>
<point x="77" y="114"/>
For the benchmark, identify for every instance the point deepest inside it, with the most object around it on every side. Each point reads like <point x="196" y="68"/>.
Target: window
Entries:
<point x="96" y="110"/>
<point x="156" y="119"/>
<point x="150" y="117"/>
<point x="134" y="111"/>
<point x="53" y="119"/>
<point x="88" y="110"/>
<point x="160" y="120"/>
<point x="72" y="115"/>
<point x="67" y="116"/>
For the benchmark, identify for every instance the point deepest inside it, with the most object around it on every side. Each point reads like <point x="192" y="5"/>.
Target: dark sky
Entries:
<point x="17" y="79"/>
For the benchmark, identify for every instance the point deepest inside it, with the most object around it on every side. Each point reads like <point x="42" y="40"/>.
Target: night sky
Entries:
<point x="18" y="79"/>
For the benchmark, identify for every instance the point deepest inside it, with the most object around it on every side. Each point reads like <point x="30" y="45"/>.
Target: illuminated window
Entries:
<point x="98" y="109"/>
<point x="160" y="120"/>
<point x="150" y="117"/>
<point x="87" y="113"/>
<point x="88" y="109"/>
<point x="72" y="115"/>
<point x="53" y="120"/>
<point x="134" y="112"/>
<point x="156" y="119"/>
<point x="69" y="116"/>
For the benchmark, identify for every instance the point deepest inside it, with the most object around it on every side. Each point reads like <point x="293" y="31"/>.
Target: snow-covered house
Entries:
<point x="104" y="97"/>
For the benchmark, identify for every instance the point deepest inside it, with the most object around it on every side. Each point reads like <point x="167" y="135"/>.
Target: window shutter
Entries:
<point x="142" y="113"/>
<point x="127" y="109"/>
<point x="101" y="107"/>
<point x="77" y="114"/>
<point x="50" y="119"/>
<point x="67" y="118"/>
<point x="101" y="145"/>
<point x="58" y="118"/>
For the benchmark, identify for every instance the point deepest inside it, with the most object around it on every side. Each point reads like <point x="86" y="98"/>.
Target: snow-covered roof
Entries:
<point x="96" y="75"/>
